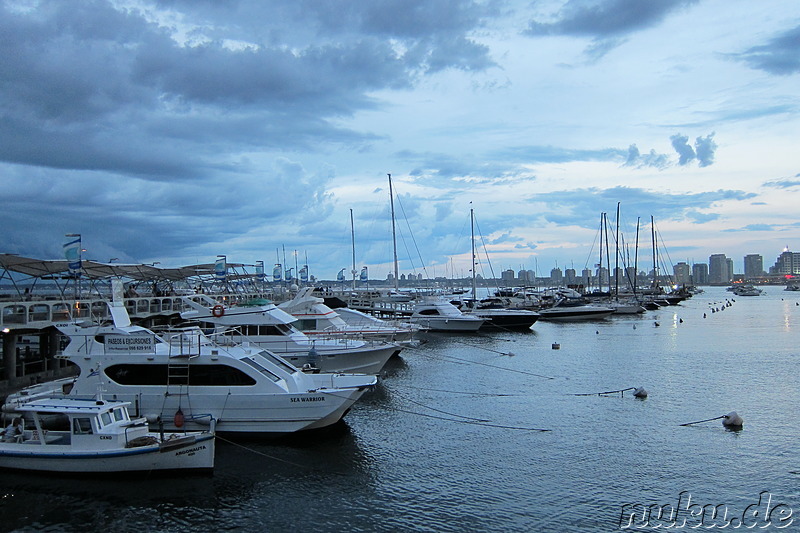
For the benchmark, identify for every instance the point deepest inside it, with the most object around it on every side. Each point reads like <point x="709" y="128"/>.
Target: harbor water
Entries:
<point x="501" y="432"/>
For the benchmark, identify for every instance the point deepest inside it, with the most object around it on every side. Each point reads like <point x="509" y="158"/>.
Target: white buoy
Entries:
<point x="732" y="420"/>
<point x="640" y="392"/>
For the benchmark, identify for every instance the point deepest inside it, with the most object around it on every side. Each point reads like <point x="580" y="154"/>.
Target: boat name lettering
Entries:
<point x="308" y="399"/>
<point x="191" y="450"/>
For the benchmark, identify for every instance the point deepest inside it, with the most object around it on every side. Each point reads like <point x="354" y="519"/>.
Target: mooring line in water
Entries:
<point x="467" y="361"/>
<point x="261" y="453"/>
<point x="622" y="391"/>
<point x="701" y="421"/>
<point x="490" y="394"/>
<point x="465" y="421"/>
<point x="437" y="410"/>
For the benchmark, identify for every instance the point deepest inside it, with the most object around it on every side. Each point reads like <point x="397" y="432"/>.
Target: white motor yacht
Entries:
<point x="440" y="315"/>
<point x="267" y="326"/>
<point x="185" y="379"/>
<point x="316" y="319"/>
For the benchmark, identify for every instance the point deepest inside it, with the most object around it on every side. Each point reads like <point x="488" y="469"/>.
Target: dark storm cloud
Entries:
<point x="781" y="55"/>
<point x="92" y="80"/>
<point x="607" y="22"/>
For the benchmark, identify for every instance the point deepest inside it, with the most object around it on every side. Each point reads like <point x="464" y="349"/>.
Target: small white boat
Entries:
<point x="439" y="315"/>
<point x="747" y="290"/>
<point x="98" y="436"/>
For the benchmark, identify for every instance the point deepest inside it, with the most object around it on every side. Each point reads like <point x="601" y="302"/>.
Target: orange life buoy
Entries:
<point x="218" y="311"/>
<point x="179" y="419"/>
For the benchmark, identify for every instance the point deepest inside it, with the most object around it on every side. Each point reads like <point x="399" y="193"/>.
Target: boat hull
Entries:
<point x="191" y="453"/>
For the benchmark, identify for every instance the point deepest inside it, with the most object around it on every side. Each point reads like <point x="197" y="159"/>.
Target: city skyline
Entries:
<point x="175" y="132"/>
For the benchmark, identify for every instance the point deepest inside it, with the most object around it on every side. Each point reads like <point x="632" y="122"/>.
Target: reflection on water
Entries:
<point x="447" y="441"/>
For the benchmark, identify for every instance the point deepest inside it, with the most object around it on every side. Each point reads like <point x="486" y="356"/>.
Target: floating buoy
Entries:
<point x="656" y="324"/>
<point x="178" y="420"/>
<point x="597" y="332"/>
<point x="634" y="326"/>
<point x="704" y="315"/>
<point x="680" y="321"/>
<point x="732" y="421"/>
<point x="556" y="346"/>
<point x="640" y="392"/>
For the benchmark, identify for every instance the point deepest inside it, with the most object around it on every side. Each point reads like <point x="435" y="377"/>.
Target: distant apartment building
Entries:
<point x="586" y="277"/>
<point x="507" y="276"/>
<point x="753" y="266"/>
<point x="682" y="273"/>
<point x="603" y="276"/>
<point x="700" y="274"/>
<point x="570" y="277"/>
<point x="556" y="276"/>
<point x="719" y="271"/>
<point x="788" y="263"/>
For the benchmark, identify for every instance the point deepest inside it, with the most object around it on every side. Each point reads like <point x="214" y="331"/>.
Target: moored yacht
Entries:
<point x="265" y="325"/>
<point x="185" y="379"/>
<point x="98" y="436"/>
<point x="318" y="320"/>
<point x="440" y="315"/>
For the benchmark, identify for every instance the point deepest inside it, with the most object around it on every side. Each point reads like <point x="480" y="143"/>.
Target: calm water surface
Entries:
<point x="449" y="440"/>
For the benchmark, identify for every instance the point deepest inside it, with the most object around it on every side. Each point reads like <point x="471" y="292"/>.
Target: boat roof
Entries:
<point x="70" y="405"/>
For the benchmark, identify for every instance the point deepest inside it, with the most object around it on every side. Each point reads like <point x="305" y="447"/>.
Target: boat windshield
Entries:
<point x="278" y="361"/>
<point x="253" y="363"/>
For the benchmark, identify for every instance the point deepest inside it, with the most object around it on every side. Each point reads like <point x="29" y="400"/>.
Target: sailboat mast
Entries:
<point x="394" y="236"/>
<point x="655" y="255"/>
<point x="600" y="247"/>
<point x="636" y="259"/>
<point x="616" y="258"/>
<point x="472" y="232"/>
<point x="353" y="243"/>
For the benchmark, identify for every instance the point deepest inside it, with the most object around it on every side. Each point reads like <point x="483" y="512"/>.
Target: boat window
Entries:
<point x="429" y="312"/>
<point x="279" y="361"/>
<point x="82" y="426"/>
<point x="119" y="414"/>
<point x="158" y="375"/>
<point x="106" y="418"/>
<point x="306" y="325"/>
<point x="260" y="368"/>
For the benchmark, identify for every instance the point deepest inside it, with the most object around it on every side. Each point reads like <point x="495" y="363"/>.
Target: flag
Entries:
<point x="72" y="252"/>
<point x="276" y="272"/>
<point x="364" y="274"/>
<point x="289" y="274"/>
<point x="340" y="275"/>
<point x="260" y="271"/>
<point x="304" y="273"/>
<point x="221" y="268"/>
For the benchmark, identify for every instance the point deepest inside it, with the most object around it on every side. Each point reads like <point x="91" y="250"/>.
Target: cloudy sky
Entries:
<point x="174" y="131"/>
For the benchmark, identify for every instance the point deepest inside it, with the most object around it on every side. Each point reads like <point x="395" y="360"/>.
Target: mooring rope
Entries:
<point x="622" y="391"/>
<point x="701" y="421"/>
<point x="467" y="361"/>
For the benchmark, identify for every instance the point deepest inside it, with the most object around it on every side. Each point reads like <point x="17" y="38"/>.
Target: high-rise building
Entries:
<point x="507" y="275"/>
<point x="569" y="277"/>
<point x="556" y="276"/>
<point x="700" y="274"/>
<point x="630" y="278"/>
<point x="718" y="270"/>
<point x="753" y="266"/>
<point x="681" y="273"/>
<point x="586" y="277"/>
<point x="788" y="263"/>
